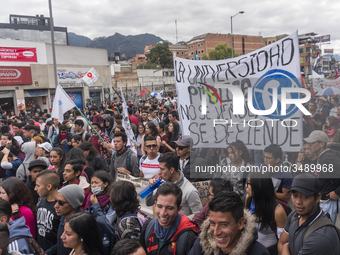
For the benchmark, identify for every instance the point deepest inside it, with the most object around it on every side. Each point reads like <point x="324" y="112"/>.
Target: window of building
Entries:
<point x="199" y="52"/>
<point x="192" y="46"/>
<point x="201" y="44"/>
<point x="182" y="53"/>
<point x="198" y="45"/>
<point x="307" y="59"/>
<point x="269" y="42"/>
<point x="189" y="47"/>
<point x="301" y="50"/>
<point x="189" y="53"/>
<point x="308" y="50"/>
<point x="186" y="53"/>
<point x="199" y="58"/>
<point x="177" y="53"/>
<point x="202" y="51"/>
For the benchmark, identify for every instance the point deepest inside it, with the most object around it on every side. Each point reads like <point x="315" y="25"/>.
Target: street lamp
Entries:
<point x="231" y="22"/>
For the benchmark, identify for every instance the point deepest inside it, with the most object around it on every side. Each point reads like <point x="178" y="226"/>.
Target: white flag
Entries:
<point x="90" y="77"/>
<point x="126" y="125"/>
<point x="159" y="95"/>
<point x="61" y="104"/>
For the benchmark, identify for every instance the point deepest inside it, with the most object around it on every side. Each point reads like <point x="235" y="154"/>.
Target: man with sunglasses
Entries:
<point x="148" y="164"/>
<point x="189" y="159"/>
<point x="68" y="201"/>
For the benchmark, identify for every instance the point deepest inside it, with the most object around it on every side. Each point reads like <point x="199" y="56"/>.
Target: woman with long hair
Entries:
<point x="58" y="159"/>
<point x="139" y="137"/>
<point x="108" y="125"/>
<point x="76" y="153"/>
<point x="98" y="201"/>
<point x="95" y="160"/>
<point x="270" y="214"/>
<point x="238" y="157"/>
<point x="331" y="128"/>
<point x="151" y="130"/>
<point x="14" y="191"/>
<point x="172" y="135"/>
<point x="82" y="234"/>
<point x="124" y="201"/>
<point x="8" y="140"/>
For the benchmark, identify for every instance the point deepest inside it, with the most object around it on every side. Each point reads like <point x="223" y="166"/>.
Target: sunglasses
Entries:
<point x="60" y="202"/>
<point x="151" y="146"/>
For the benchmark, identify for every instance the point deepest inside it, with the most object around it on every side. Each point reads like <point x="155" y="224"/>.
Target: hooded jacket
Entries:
<point x="247" y="244"/>
<point x="109" y="130"/>
<point x="18" y="228"/>
<point x="29" y="149"/>
<point x="151" y="243"/>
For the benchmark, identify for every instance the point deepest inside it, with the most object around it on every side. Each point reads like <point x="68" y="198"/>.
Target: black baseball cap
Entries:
<point x="306" y="184"/>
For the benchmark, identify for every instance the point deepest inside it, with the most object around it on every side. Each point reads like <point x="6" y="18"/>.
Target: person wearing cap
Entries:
<point x="328" y="164"/>
<point x="305" y="198"/>
<point x="34" y="168"/>
<point x="68" y="202"/>
<point x="188" y="159"/>
<point x="169" y="172"/>
<point x="45" y="149"/>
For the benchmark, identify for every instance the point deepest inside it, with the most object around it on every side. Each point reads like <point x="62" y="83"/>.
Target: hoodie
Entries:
<point x="29" y="149"/>
<point x="18" y="228"/>
<point x="246" y="244"/>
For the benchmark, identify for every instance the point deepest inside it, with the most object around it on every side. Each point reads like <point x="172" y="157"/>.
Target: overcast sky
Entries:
<point x="132" y="17"/>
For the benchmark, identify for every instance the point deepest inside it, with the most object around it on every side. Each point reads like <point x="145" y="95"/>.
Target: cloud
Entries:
<point x="131" y="17"/>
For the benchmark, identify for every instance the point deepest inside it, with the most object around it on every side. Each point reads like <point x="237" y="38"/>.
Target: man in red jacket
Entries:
<point x="170" y="232"/>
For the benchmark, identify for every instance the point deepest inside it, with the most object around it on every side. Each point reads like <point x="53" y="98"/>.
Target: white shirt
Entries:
<point x="150" y="167"/>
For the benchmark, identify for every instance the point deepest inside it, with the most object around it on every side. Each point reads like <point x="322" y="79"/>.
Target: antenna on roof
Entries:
<point x="176" y="32"/>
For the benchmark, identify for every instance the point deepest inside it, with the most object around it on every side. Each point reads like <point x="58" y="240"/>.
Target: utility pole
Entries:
<point x="53" y="46"/>
<point x="176" y="32"/>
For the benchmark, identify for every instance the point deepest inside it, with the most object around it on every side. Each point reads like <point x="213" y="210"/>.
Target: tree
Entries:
<point x="160" y="55"/>
<point x="221" y="51"/>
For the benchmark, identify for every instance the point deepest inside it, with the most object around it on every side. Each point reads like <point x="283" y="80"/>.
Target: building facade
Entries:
<point x="27" y="74"/>
<point x="32" y="29"/>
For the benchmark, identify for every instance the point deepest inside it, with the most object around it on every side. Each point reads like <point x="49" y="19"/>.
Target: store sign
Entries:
<point x="15" y="75"/>
<point x="320" y="39"/>
<point x="328" y="51"/>
<point x="18" y="54"/>
<point x="75" y="97"/>
<point x="71" y="77"/>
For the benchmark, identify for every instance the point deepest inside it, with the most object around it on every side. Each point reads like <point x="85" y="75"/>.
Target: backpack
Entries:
<point x="32" y="244"/>
<point x="287" y="209"/>
<point x="85" y="175"/>
<point x="142" y="218"/>
<point x="181" y="242"/>
<point x="108" y="230"/>
<point x="319" y="223"/>
<point x="128" y="160"/>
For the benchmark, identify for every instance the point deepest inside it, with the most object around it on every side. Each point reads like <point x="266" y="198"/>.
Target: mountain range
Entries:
<point x="126" y="45"/>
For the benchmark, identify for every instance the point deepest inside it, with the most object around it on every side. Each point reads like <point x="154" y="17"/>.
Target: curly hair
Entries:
<point x="124" y="198"/>
<point x="240" y="146"/>
<point x="18" y="193"/>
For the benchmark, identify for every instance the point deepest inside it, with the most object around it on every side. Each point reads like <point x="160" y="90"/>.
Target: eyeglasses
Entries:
<point x="151" y="146"/>
<point x="182" y="147"/>
<point x="63" y="132"/>
<point x="60" y="202"/>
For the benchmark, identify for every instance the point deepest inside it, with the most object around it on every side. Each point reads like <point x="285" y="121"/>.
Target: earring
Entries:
<point x="81" y="240"/>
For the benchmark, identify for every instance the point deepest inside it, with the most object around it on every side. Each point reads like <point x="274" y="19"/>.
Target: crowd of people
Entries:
<point x="60" y="192"/>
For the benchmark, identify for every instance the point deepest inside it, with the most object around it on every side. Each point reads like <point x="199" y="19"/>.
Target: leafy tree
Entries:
<point x="148" y="65"/>
<point x="160" y="55"/>
<point x="221" y="51"/>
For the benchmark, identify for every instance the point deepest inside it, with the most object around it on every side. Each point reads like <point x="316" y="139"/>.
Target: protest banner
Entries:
<point x="127" y="126"/>
<point x="140" y="184"/>
<point x="90" y="77"/>
<point x="215" y="106"/>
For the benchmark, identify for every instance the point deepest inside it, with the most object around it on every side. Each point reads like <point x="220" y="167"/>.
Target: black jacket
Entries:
<point x="190" y="167"/>
<point x="31" y="185"/>
<point x="98" y="164"/>
<point x="329" y="181"/>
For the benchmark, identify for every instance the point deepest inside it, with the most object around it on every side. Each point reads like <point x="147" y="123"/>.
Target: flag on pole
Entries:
<point x="61" y="104"/>
<point x="126" y="125"/>
<point x="159" y="95"/>
<point x="143" y="92"/>
<point x="90" y="77"/>
<point x="336" y="73"/>
<point x="316" y="62"/>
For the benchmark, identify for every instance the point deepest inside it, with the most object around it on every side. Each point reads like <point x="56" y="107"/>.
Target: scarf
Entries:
<point x="63" y="136"/>
<point x="180" y="180"/>
<point x="331" y="132"/>
<point x="164" y="234"/>
<point x="103" y="200"/>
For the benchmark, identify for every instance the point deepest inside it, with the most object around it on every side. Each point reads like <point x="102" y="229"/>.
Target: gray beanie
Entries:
<point x="74" y="194"/>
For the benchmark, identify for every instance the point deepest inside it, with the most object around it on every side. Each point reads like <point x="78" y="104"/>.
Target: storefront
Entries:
<point x="37" y="97"/>
<point x="96" y="95"/>
<point x="74" y="93"/>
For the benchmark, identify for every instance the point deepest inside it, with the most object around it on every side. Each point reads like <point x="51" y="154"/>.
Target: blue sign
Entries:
<point x="262" y="90"/>
<point x="75" y="97"/>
